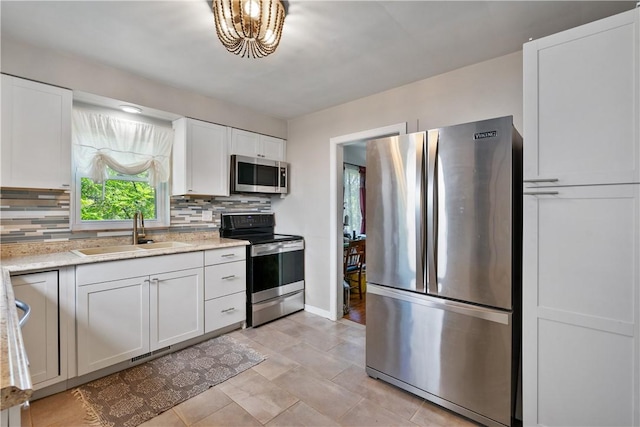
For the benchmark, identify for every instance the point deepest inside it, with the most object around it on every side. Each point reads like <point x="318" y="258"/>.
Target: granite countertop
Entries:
<point x="19" y="264"/>
<point x="15" y="383"/>
<point x="14" y="369"/>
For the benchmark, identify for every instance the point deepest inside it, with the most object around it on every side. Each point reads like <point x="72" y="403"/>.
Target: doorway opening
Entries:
<point x="337" y="205"/>
<point x="354" y="170"/>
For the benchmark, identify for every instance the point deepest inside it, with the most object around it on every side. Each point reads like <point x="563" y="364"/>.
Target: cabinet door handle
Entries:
<point x="26" y="309"/>
<point x="233" y="276"/>
<point x="227" y="255"/>
<point x="226" y="310"/>
<point x="540" y="193"/>
<point x="541" y="180"/>
<point x="66" y="185"/>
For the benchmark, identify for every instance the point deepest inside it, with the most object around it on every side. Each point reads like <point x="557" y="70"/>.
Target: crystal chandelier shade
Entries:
<point x="249" y="28"/>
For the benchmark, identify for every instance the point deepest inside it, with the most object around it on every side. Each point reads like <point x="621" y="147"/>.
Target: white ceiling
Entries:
<point x="331" y="52"/>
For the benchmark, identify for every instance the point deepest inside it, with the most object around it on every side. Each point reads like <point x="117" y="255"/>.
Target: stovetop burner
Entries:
<point x="267" y="238"/>
<point x="254" y="227"/>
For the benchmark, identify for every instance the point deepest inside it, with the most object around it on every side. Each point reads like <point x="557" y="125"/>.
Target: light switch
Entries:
<point x="207" y="216"/>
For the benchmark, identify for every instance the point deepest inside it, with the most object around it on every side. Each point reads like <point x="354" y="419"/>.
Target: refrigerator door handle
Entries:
<point x="420" y="219"/>
<point x="479" y="312"/>
<point x="432" y="211"/>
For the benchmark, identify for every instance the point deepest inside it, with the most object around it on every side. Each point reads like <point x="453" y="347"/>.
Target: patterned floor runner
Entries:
<point x="135" y="395"/>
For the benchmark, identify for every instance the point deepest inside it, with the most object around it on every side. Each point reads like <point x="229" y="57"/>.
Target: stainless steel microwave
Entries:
<point x="256" y="175"/>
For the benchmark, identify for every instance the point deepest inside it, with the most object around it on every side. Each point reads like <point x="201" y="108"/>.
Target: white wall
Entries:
<point x="481" y="91"/>
<point x="48" y="66"/>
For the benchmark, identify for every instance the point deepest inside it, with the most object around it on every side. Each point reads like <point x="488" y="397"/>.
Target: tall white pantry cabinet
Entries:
<point x="581" y="266"/>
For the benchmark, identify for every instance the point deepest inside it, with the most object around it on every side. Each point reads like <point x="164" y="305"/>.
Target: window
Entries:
<point x="112" y="203"/>
<point x="354" y="199"/>
<point x="121" y="167"/>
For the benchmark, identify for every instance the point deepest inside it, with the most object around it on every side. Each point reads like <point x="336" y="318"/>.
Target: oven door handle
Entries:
<point x="263" y="249"/>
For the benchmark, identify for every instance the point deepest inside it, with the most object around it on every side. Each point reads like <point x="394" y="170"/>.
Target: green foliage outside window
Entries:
<point x="117" y="199"/>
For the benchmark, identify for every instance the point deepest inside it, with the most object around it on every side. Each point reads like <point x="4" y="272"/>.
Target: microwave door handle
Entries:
<point x="284" y="171"/>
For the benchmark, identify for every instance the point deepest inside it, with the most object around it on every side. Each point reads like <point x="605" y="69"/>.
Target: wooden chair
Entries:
<point x="360" y="245"/>
<point x="354" y="256"/>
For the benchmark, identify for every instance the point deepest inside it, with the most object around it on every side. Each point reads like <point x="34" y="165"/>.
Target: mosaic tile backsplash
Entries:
<point x="43" y="216"/>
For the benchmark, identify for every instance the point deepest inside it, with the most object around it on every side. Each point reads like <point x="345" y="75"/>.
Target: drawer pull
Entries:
<point x="233" y="276"/>
<point x="540" y="193"/>
<point x="227" y="255"/>
<point x="226" y="310"/>
<point x="536" y="180"/>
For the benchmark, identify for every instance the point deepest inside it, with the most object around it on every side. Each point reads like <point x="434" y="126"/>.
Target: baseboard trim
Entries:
<point x="319" y="312"/>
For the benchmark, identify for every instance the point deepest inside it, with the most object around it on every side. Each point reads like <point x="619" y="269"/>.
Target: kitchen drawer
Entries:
<point x="224" y="311"/>
<point x="224" y="279"/>
<point x="123" y="269"/>
<point x="219" y="256"/>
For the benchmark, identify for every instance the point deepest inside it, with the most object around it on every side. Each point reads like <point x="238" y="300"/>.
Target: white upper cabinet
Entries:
<point x="256" y="145"/>
<point x="200" y="158"/>
<point x="273" y="148"/>
<point x="581" y="107"/>
<point x="36" y="135"/>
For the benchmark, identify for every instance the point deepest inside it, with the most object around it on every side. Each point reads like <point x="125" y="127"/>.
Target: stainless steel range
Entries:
<point x="275" y="266"/>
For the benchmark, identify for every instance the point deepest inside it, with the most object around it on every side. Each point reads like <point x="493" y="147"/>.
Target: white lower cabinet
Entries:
<point x="40" y="332"/>
<point x="225" y="287"/>
<point x="48" y="332"/>
<point x="113" y="322"/>
<point x="581" y="286"/>
<point x="11" y="417"/>
<point x="120" y="318"/>
<point x="176" y="307"/>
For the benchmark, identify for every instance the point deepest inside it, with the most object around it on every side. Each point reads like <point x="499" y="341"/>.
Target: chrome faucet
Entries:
<point x="138" y="229"/>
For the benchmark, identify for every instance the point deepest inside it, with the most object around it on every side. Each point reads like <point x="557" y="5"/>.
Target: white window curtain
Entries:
<point x="125" y="146"/>
<point x="352" y="211"/>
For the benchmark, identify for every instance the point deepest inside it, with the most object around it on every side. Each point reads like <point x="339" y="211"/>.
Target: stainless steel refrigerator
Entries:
<point x="444" y="266"/>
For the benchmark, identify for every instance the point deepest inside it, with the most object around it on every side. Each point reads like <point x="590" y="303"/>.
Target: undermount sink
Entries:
<point x="163" y="245"/>
<point x="106" y="250"/>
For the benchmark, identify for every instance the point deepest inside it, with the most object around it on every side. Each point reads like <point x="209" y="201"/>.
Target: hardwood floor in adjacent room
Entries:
<point x="357" y="308"/>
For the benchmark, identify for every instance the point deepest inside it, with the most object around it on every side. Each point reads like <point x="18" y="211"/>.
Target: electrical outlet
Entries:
<point x="207" y="216"/>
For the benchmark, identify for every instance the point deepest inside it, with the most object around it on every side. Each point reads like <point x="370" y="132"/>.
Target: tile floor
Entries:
<point x="313" y="376"/>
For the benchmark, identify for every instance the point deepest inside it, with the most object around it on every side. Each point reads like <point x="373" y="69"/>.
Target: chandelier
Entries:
<point x="250" y="28"/>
